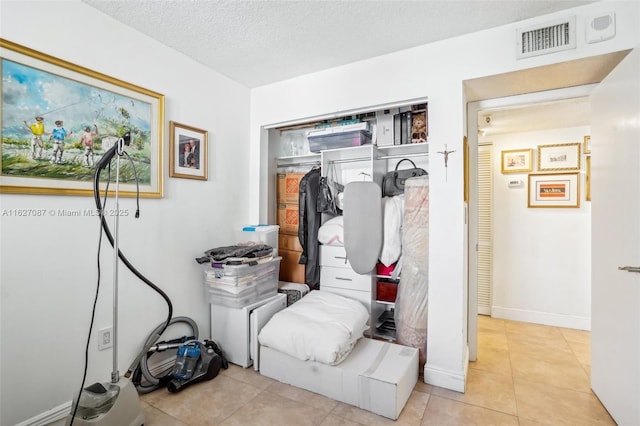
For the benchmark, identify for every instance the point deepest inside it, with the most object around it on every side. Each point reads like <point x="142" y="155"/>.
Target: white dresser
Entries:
<point x="337" y="277"/>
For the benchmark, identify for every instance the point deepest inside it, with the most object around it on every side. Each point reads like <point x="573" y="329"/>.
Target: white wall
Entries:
<point x="437" y="71"/>
<point x="541" y="257"/>
<point x="48" y="265"/>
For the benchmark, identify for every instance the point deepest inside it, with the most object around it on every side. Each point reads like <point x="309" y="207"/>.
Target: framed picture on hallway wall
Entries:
<point x="517" y="161"/>
<point x="559" y="157"/>
<point x="554" y="190"/>
<point x="587" y="177"/>
<point x="187" y="151"/>
<point x="587" y="144"/>
<point x="59" y="119"/>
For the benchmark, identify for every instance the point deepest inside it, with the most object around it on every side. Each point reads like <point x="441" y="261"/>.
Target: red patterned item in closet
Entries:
<point x="382" y="269"/>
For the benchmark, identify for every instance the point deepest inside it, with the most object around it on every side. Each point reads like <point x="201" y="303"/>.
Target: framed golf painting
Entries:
<point x="59" y="119"/>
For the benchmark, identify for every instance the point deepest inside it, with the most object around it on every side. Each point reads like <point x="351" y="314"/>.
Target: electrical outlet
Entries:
<point x="105" y="338"/>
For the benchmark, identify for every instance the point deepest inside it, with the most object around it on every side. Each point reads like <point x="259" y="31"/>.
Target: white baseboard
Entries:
<point x="49" y="417"/>
<point x="546" y="318"/>
<point x="448" y="379"/>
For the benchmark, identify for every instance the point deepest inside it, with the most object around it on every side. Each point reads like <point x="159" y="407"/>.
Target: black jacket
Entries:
<point x="308" y="225"/>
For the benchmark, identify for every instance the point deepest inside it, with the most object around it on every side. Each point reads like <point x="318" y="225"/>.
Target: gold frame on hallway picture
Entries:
<point x="587" y="144"/>
<point x="587" y="177"/>
<point x="516" y="161"/>
<point x="557" y="190"/>
<point x="559" y="157"/>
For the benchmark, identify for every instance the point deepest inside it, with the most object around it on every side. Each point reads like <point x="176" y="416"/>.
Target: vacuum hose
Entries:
<point x="102" y="164"/>
<point x="140" y="366"/>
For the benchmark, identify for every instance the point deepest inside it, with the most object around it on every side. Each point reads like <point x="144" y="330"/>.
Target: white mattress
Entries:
<point x="321" y="327"/>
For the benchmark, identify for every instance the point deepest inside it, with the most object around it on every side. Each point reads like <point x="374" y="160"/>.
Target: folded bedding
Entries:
<point x="321" y="327"/>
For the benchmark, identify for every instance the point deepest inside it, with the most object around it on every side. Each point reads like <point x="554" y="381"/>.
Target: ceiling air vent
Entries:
<point x="547" y="38"/>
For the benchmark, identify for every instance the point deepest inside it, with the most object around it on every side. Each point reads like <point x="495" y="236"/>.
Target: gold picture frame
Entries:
<point x="187" y="151"/>
<point x="559" y="157"/>
<point x="465" y="147"/>
<point x="516" y="161"/>
<point x="95" y="111"/>
<point x="587" y="144"/>
<point x="556" y="190"/>
<point x="587" y="178"/>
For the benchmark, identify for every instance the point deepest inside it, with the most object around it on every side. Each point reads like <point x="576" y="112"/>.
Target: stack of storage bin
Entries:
<point x="236" y="286"/>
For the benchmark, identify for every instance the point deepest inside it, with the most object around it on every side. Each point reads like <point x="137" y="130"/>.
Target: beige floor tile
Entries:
<point x="493" y="340"/>
<point x="551" y="348"/>
<point x="529" y="329"/>
<point x="527" y="422"/>
<point x="578" y="336"/>
<point x="411" y="414"/>
<point x="270" y="409"/>
<point x="492" y="360"/>
<point x="247" y="375"/>
<point x="303" y="396"/>
<point x="567" y="374"/>
<point x="582" y="351"/>
<point x="206" y="403"/>
<point x="485" y="389"/>
<point x="421" y="386"/>
<point x="555" y="406"/>
<point x="155" y="417"/>
<point x="487" y="323"/>
<point x="444" y="412"/>
<point x="333" y="420"/>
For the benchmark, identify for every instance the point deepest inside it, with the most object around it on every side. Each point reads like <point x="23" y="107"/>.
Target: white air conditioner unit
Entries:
<point x="550" y="37"/>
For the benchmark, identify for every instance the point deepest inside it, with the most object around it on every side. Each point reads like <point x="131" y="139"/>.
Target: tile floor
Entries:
<point x="526" y="374"/>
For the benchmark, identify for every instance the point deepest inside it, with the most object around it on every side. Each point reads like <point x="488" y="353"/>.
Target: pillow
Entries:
<point x="331" y="233"/>
<point x="322" y="326"/>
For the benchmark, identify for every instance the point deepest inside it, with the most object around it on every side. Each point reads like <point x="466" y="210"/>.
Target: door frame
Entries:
<point x="473" y="109"/>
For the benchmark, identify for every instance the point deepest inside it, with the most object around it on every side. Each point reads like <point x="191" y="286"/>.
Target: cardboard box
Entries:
<point x="289" y="242"/>
<point x="376" y="376"/>
<point x="288" y="216"/>
<point x="290" y="270"/>
<point x="288" y="187"/>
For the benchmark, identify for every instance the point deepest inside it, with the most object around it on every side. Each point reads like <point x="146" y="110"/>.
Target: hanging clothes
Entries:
<point x="308" y="225"/>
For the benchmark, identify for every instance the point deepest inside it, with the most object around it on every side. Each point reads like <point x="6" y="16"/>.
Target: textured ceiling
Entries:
<point x="263" y="41"/>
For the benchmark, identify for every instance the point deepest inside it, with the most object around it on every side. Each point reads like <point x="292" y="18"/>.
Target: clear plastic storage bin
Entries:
<point x="236" y="286"/>
<point x="321" y="142"/>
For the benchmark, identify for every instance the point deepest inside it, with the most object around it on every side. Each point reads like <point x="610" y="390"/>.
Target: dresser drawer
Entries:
<point x="334" y="256"/>
<point x="344" y="278"/>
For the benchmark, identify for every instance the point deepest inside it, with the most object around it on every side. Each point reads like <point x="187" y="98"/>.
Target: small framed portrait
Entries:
<point x="517" y="161"/>
<point x="188" y="152"/>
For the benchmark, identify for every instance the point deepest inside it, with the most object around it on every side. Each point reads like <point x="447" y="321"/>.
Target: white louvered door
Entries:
<point x="485" y="228"/>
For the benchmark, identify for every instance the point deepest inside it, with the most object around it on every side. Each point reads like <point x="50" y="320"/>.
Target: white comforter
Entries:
<point x="321" y="327"/>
